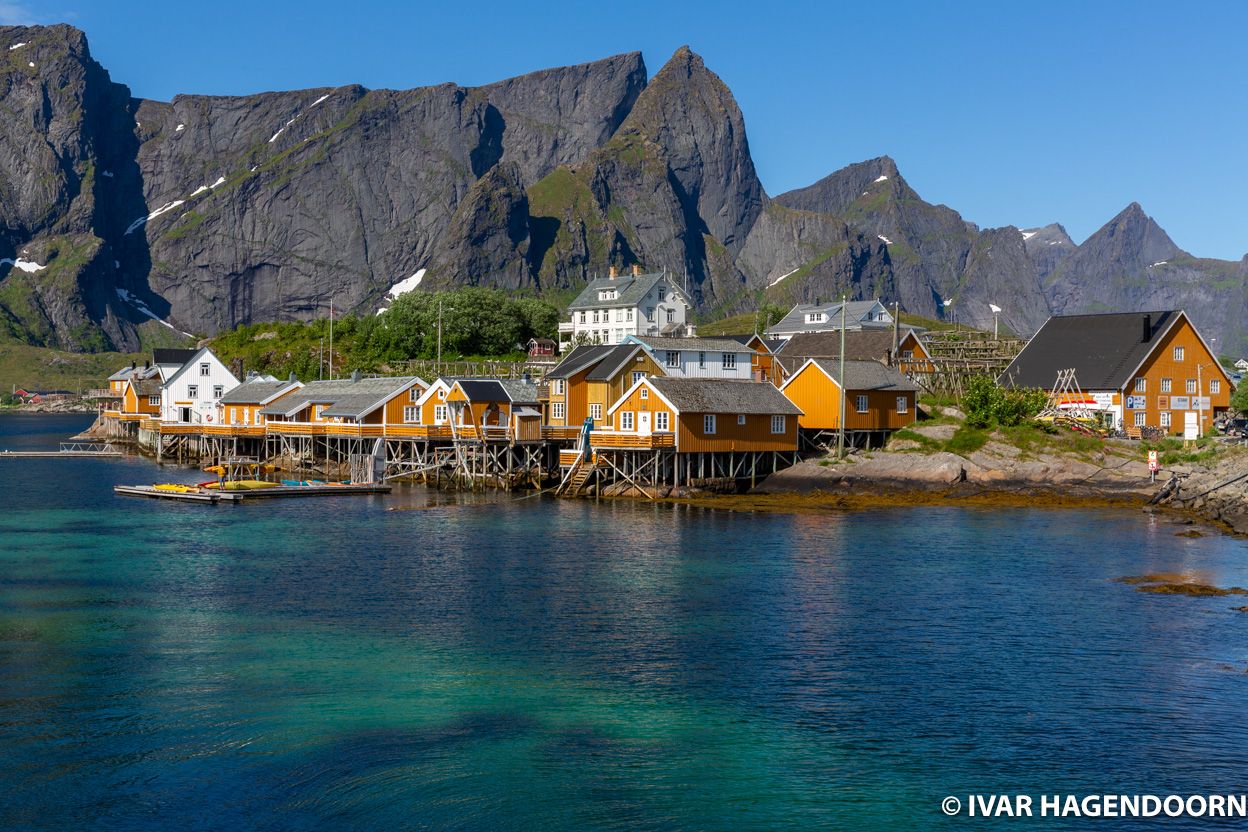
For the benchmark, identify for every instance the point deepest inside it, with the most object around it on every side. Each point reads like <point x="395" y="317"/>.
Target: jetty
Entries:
<point x="69" y="450"/>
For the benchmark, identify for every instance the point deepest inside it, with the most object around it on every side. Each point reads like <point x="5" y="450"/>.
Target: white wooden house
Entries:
<point x="699" y="357"/>
<point x="191" y="394"/>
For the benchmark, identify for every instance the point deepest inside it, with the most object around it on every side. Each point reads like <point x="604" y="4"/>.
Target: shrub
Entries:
<point x="988" y="405"/>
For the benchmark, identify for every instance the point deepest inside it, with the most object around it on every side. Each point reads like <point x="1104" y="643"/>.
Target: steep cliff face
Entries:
<point x="124" y="220"/>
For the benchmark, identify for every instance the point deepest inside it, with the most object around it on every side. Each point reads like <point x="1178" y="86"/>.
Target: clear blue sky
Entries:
<point x="1012" y="113"/>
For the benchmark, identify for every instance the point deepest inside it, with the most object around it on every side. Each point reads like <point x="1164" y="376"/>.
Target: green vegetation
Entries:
<point x="966" y="440"/>
<point x="475" y="322"/>
<point x="987" y="405"/>
<point x="1239" y="399"/>
<point x="746" y="323"/>
<point x="22" y="365"/>
<point x="1171" y="451"/>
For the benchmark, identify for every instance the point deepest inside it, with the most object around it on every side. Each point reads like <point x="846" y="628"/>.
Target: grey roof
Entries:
<point x="1104" y="350"/>
<point x="256" y="391"/>
<point x="663" y="342"/>
<point x="772" y="344"/>
<point x="123" y="373"/>
<point x="629" y="288"/>
<point x="866" y="375"/>
<point x="860" y="344"/>
<point x="514" y="390"/>
<point x="346" y="398"/>
<point x="579" y="359"/>
<point x="172" y="356"/>
<point x="855" y="312"/>
<point x="520" y="391"/>
<point x="713" y="395"/>
<point x="613" y="362"/>
<point x="146" y="387"/>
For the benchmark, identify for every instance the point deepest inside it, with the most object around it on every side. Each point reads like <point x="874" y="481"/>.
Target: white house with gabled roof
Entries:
<point x="613" y="307"/>
<point x="192" y="393"/>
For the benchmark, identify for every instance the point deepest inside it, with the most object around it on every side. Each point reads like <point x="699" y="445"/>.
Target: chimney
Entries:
<point x="611" y="273"/>
<point x="1148" y="329"/>
<point x="636" y="270"/>
<point x="292" y="378"/>
<point x="528" y="379"/>
<point x="147" y="365"/>
<point x="134" y="365"/>
<point x="355" y="377"/>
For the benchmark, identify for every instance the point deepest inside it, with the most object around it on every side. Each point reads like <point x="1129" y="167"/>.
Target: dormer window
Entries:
<point x="662" y="292"/>
<point x="608" y="294"/>
<point x="815" y="317"/>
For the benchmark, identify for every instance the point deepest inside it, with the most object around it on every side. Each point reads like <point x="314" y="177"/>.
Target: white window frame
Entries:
<point x="205" y="368"/>
<point x="673" y="358"/>
<point x="644" y="392"/>
<point x="218" y="390"/>
<point x="661" y="421"/>
<point x="708" y="424"/>
<point x="1141" y="385"/>
<point x="411" y="415"/>
<point x="192" y="391"/>
<point x="413" y="394"/>
<point x="638" y="375"/>
<point x="153" y="401"/>
<point x="1165" y="418"/>
<point x="595" y="411"/>
<point x="1140" y="418"/>
<point x="728" y="361"/>
<point x="862" y="403"/>
<point x="777" y="423"/>
<point x="558" y="387"/>
<point x="671" y="316"/>
<point x="1192" y="389"/>
<point x="1215" y="386"/>
<point x="903" y="405"/>
<point x="441" y="414"/>
<point x="1179" y="353"/>
<point x="626" y="420"/>
<point x="1165" y="385"/>
<point x="557" y="410"/>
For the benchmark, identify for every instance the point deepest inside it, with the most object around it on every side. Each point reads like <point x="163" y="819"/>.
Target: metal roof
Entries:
<point x="347" y="398"/>
<point x="620" y="357"/>
<point x="860" y="344"/>
<point x="713" y="395"/>
<point x="579" y="359"/>
<point x="630" y="291"/>
<point x="863" y="375"/>
<point x="1104" y="350"/>
<point x="855" y="313"/>
<point x="256" y="391"/>
<point x="663" y="342"/>
<point x="172" y="356"/>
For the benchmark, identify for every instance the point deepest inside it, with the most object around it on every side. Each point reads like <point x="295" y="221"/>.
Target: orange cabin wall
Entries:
<point x="393" y="409"/>
<point x="1161" y="364"/>
<point x="819" y="398"/>
<point x="754" y="435"/>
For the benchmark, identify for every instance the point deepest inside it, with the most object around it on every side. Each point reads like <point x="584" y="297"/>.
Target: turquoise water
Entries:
<point x="565" y="665"/>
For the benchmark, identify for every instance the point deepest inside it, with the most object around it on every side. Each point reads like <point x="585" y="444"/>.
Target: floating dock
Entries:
<point x="61" y="454"/>
<point x="212" y="495"/>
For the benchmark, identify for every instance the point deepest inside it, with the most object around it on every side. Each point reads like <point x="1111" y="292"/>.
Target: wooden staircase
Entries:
<point x="581" y="475"/>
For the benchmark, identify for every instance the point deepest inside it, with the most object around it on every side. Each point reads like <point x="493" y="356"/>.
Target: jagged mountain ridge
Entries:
<point x="209" y="211"/>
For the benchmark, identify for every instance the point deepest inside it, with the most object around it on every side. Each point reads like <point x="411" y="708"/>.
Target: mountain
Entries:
<point x="128" y="222"/>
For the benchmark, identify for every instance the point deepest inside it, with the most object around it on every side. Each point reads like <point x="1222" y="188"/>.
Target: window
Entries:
<point x="650" y="314"/>
<point x="153" y="401"/>
<point x="740" y="418"/>
<point x="645" y="392"/>
<point x="708" y="424"/>
<point x="861" y="404"/>
<point x="1165" y="418"/>
<point x="661" y="420"/>
<point x="701" y="361"/>
<point x="595" y="316"/>
<point x="1165" y="385"/>
<point x="442" y="394"/>
<point x="638" y="375"/>
<point x="1139" y="418"/>
<point x="411" y="415"/>
<point x="619" y="315"/>
<point x="671" y="315"/>
<point x="814" y="317"/>
<point x="628" y="316"/>
<point x="662" y="292"/>
<point x="1141" y="384"/>
<point x="557" y="410"/>
<point x="626" y="420"/>
<point x="907" y="353"/>
<point x="583" y="317"/>
<point x="673" y="358"/>
<point x="1191" y="386"/>
<point x="1178" y="353"/>
<point x="729" y="360"/>
<point x="205" y="369"/>
<point x="439" y="414"/>
<point x="1215" y="386"/>
<point x="595" y="412"/>
<point x="903" y="404"/>
<point x="218" y="391"/>
<point x="192" y="391"/>
<point x="557" y="387"/>
<point x="413" y="394"/>
<point x="777" y="424"/>
<point x="619" y="335"/>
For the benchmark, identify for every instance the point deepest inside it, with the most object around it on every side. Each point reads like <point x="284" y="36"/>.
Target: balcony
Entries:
<point x="615" y="439"/>
<point x="566" y="326"/>
<point x="560" y="433"/>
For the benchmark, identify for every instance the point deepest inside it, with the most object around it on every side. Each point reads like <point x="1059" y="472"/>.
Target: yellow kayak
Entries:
<point x="177" y="488"/>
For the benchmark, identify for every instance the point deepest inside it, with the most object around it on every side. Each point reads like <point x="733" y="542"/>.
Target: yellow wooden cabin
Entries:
<point x="698" y="415"/>
<point x="879" y="399"/>
<point x="140" y="398"/>
<point x="499" y="409"/>
<point x="590" y="379"/>
<point x="354" y="406"/>
<point x="910" y="355"/>
<point x="240" y="407"/>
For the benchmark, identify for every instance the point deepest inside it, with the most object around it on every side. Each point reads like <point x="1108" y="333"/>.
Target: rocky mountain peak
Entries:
<point x="1132" y="239"/>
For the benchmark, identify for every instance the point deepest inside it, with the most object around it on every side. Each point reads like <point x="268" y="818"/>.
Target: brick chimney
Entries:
<point x="636" y="270"/>
<point x="611" y="273"/>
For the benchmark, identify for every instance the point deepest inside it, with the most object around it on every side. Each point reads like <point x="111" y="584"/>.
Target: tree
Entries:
<point x="1239" y="399"/>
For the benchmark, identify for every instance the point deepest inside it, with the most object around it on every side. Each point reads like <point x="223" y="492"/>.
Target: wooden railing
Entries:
<point x="560" y="433"/>
<point x="612" y="439"/>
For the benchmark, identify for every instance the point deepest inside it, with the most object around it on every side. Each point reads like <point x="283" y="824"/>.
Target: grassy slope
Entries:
<point x="42" y="368"/>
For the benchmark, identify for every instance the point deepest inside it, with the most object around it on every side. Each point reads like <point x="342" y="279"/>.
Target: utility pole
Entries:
<point x="840" y="437"/>
<point x="896" y="332"/>
<point x="1200" y="411"/>
<point x="438" y="366"/>
<point x="331" y="339"/>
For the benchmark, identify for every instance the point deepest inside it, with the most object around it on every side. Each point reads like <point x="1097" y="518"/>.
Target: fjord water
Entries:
<point x="512" y="664"/>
